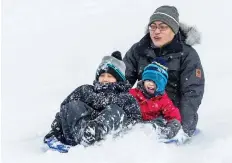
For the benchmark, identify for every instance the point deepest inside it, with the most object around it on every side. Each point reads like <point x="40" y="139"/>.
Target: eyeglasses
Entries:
<point x="161" y="27"/>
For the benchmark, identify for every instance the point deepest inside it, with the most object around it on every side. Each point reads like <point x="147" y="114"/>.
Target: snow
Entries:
<point x="49" y="47"/>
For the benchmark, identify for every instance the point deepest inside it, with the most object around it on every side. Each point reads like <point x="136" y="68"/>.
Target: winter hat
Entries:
<point x="113" y="65"/>
<point x="157" y="72"/>
<point x="167" y="14"/>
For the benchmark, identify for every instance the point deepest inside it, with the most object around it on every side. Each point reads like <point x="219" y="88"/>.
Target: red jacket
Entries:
<point x="156" y="106"/>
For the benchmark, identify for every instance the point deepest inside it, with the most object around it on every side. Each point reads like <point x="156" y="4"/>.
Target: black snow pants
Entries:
<point x="81" y="124"/>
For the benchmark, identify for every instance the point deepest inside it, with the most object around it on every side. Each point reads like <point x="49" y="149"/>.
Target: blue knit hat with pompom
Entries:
<point x="157" y="72"/>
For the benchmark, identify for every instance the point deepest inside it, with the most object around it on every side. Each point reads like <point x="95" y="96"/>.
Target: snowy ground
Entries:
<point x="52" y="46"/>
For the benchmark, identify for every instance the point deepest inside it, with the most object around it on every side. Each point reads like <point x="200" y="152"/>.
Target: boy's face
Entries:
<point x="106" y="78"/>
<point x="150" y="86"/>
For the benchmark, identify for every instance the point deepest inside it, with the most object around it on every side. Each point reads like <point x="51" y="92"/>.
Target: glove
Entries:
<point x="158" y="123"/>
<point x="173" y="127"/>
<point x="169" y="130"/>
<point x="180" y="138"/>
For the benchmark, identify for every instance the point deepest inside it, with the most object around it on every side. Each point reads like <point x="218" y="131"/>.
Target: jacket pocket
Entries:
<point x="174" y="69"/>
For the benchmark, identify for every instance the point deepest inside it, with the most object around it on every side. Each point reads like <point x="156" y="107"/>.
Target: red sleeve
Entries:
<point x="133" y="92"/>
<point x="169" y="110"/>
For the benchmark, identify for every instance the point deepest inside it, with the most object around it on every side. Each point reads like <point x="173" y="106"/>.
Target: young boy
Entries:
<point x="92" y="111"/>
<point x="156" y="107"/>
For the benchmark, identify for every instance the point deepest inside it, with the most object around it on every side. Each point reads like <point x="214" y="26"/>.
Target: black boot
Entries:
<point x="111" y="118"/>
<point x="56" y="131"/>
<point x="94" y="132"/>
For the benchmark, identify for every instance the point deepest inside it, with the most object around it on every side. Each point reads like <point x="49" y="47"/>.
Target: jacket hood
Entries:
<point x="189" y="34"/>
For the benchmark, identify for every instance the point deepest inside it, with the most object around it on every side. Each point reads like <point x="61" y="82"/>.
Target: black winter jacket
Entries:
<point x="98" y="96"/>
<point x="91" y="102"/>
<point x="186" y="77"/>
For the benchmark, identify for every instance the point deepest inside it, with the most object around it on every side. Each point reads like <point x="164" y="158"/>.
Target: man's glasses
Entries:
<point x="161" y="27"/>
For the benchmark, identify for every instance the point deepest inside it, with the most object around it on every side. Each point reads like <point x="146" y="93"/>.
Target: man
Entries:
<point x="172" y="41"/>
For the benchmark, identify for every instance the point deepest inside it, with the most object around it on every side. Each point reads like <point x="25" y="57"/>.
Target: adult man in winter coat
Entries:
<point x="172" y="41"/>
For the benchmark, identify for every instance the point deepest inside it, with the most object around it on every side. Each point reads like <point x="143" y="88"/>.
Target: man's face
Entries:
<point x="160" y="33"/>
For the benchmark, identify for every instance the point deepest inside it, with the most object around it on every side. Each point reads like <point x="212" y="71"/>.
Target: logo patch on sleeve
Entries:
<point x="198" y="73"/>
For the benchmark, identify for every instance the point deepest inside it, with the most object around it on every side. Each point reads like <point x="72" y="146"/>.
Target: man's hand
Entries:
<point x="179" y="139"/>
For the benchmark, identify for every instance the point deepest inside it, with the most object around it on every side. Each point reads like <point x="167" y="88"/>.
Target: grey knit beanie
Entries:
<point x="114" y="65"/>
<point x="167" y="14"/>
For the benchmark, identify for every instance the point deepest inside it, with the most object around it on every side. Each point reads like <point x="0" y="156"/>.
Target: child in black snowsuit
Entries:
<point x="90" y="112"/>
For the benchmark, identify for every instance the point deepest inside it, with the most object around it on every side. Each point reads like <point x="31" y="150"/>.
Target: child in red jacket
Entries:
<point x="155" y="105"/>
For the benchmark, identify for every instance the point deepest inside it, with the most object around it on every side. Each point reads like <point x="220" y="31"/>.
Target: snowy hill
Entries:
<point x="50" y="47"/>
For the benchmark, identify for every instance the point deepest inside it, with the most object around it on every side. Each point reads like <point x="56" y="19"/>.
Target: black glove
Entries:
<point x="168" y="130"/>
<point x="172" y="128"/>
<point x="158" y="122"/>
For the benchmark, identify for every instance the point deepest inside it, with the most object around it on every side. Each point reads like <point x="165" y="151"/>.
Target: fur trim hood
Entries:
<point x="189" y="34"/>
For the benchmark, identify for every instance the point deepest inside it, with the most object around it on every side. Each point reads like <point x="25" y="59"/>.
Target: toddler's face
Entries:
<point x="150" y="86"/>
<point x="106" y="78"/>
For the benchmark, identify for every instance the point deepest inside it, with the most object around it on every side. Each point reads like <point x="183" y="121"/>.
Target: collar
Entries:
<point x="174" y="46"/>
<point x="146" y="47"/>
<point x="117" y="87"/>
